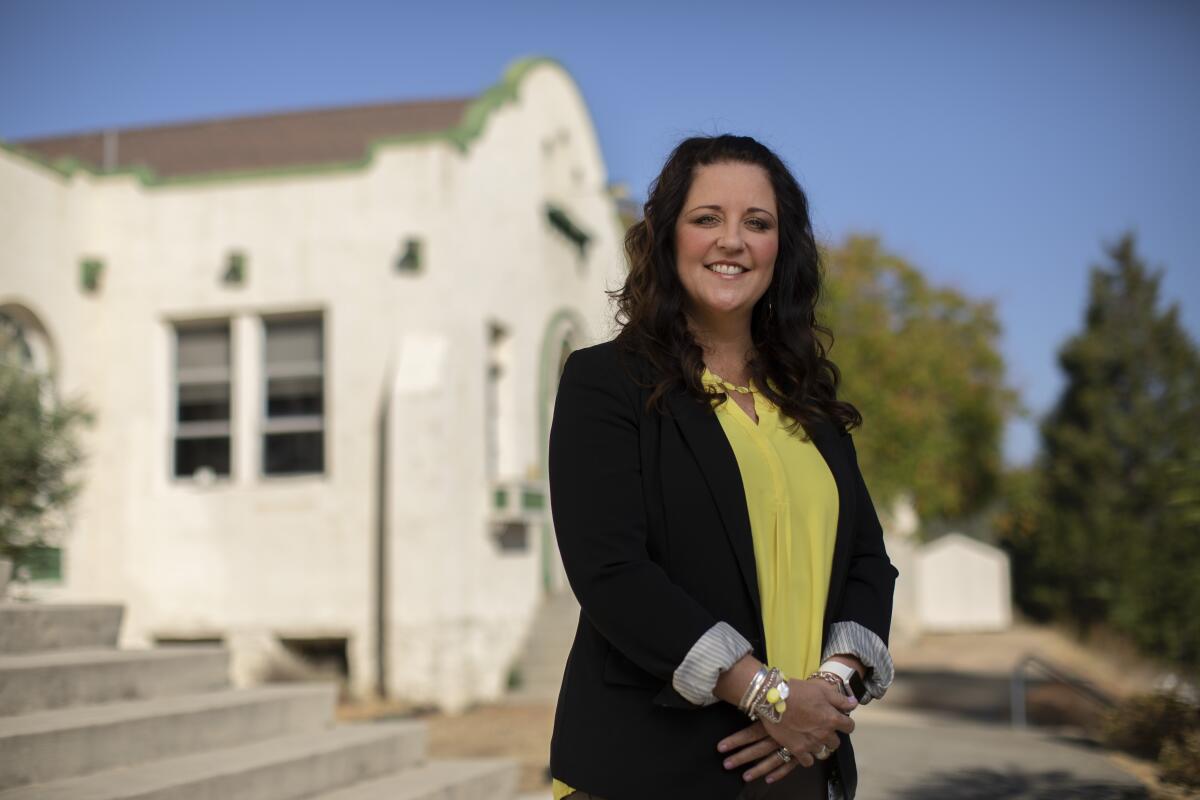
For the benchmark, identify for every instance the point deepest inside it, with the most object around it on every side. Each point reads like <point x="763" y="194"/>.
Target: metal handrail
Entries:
<point x="1079" y="686"/>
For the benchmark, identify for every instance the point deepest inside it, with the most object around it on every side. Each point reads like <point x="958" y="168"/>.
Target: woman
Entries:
<point x="711" y="516"/>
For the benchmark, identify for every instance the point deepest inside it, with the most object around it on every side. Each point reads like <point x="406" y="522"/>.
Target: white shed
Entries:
<point x="962" y="584"/>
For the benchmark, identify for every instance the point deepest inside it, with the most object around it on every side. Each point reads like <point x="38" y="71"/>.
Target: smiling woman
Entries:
<point x="727" y="559"/>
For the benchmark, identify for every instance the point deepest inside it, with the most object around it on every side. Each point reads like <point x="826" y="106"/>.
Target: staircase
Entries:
<point x="540" y="668"/>
<point x="81" y="720"/>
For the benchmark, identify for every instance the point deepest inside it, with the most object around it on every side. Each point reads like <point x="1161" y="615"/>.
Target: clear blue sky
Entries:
<point x="996" y="145"/>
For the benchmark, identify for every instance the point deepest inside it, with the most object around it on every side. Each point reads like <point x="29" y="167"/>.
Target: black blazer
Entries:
<point x="651" y="520"/>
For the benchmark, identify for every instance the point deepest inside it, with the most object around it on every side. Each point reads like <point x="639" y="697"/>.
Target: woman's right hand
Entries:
<point x="816" y="711"/>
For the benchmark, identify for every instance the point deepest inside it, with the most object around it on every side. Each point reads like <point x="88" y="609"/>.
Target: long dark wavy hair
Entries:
<point x="788" y="342"/>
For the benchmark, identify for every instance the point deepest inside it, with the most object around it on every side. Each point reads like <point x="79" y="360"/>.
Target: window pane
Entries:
<point x="291" y="397"/>
<point x="203" y="347"/>
<point x="193" y="454"/>
<point x="203" y="402"/>
<point x="287" y="453"/>
<point x="295" y="396"/>
<point x="294" y="340"/>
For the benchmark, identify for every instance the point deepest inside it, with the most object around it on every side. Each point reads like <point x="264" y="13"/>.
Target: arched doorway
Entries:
<point x="565" y="332"/>
<point x="27" y="351"/>
<point x="25" y="342"/>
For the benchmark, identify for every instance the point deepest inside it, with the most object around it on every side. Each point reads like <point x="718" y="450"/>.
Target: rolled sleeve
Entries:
<point x="717" y="650"/>
<point x="852" y="639"/>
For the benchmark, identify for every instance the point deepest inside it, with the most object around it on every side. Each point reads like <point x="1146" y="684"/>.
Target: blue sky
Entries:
<point x="998" y="146"/>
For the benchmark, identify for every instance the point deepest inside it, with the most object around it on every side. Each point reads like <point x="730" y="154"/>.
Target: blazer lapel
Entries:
<point x="702" y="431"/>
<point x="833" y="451"/>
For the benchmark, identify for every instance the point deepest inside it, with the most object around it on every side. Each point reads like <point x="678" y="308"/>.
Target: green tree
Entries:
<point x="922" y="365"/>
<point x="1116" y="537"/>
<point x="39" y="451"/>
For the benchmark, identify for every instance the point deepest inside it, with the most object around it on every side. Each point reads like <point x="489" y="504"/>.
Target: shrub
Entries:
<point x="1159" y="727"/>
<point x="1180" y="759"/>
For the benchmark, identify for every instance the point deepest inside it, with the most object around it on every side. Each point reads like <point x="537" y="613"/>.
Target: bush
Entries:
<point x="39" y="453"/>
<point x="1160" y="727"/>
<point x="1180" y="759"/>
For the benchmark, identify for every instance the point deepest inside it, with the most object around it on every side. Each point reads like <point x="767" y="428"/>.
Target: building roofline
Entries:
<point x="469" y="128"/>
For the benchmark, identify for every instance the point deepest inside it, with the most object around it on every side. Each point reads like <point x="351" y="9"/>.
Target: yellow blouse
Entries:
<point x="793" y="504"/>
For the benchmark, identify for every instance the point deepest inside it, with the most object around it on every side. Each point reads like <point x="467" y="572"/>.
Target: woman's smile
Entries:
<point x="727" y="270"/>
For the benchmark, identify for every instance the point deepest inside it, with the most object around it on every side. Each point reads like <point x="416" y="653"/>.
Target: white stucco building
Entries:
<point x="321" y="349"/>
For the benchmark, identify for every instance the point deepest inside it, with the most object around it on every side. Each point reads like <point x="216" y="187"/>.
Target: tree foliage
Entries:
<point x="39" y="451"/>
<point x="923" y="366"/>
<point x="1108" y="527"/>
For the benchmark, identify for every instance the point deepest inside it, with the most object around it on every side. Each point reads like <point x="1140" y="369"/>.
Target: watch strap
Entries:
<point x="850" y="678"/>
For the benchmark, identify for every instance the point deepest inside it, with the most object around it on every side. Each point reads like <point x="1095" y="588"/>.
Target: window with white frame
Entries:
<point x="294" y="408"/>
<point x="202" y="399"/>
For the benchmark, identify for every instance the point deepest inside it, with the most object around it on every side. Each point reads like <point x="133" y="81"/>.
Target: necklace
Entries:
<point x="734" y="387"/>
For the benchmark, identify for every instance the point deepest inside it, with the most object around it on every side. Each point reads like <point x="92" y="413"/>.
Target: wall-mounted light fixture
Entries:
<point x="235" y="269"/>
<point x="410" y="255"/>
<point x="91" y="274"/>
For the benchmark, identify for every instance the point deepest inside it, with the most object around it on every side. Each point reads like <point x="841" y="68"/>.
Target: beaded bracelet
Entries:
<point x="766" y="696"/>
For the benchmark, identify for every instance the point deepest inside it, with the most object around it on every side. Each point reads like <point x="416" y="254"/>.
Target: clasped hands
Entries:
<point x="816" y="711"/>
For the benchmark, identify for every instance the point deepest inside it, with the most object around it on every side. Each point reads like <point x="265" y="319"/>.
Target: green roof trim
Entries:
<point x="461" y="136"/>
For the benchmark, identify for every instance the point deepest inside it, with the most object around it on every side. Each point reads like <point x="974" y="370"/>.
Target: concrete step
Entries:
<point x="552" y="652"/>
<point x="541" y="673"/>
<point x="65" y="678"/>
<point x="275" y="769"/>
<point x="532" y="696"/>
<point x="459" y="779"/>
<point x="48" y="745"/>
<point x="35" y="627"/>
<point x="544" y="655"/>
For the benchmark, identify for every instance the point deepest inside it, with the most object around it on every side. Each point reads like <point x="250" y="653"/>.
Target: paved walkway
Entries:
<point x="906" y="755"/>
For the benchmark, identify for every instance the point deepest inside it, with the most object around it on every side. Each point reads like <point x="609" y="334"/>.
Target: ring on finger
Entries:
<point x="785" y="754"/>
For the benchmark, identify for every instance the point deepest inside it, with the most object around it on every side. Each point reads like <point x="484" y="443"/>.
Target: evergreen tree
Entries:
<point x="1117" y="532"/>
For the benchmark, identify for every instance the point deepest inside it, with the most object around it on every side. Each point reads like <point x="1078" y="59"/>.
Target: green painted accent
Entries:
<point x="461" y="136"/>
<point x="44" y="563"/>
<point x="500" y="499"/>
<point x="532" y="500"/>
<point x="410" y="260"/>
<point x="91" y="272"/>
<point x="235" y="270"/>
<point x="563" y="223"/>
<point x="547" y="387"/>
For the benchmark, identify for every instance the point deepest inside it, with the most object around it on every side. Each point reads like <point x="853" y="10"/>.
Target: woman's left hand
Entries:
<point x="754" y="745"/>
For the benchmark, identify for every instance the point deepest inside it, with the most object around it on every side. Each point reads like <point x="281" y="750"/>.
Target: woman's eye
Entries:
<point x="705" y="220"/>
<point x="758" y="224"/>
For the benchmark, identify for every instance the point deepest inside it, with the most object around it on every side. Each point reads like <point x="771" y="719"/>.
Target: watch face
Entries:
<point x="857" y="687"/>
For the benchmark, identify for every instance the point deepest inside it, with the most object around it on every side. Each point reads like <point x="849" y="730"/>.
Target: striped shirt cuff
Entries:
<point x="852" y="639"/>
<point x="717" y="650"/>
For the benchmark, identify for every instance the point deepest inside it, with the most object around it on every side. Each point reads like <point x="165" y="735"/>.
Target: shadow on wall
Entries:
<point x="1012" y="784"/>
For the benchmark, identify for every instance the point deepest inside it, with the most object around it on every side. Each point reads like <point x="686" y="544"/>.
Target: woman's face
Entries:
<point x="726" y="239"/>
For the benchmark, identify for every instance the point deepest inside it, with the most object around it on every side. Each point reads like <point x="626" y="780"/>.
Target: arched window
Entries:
<point x="24" y="341"/>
